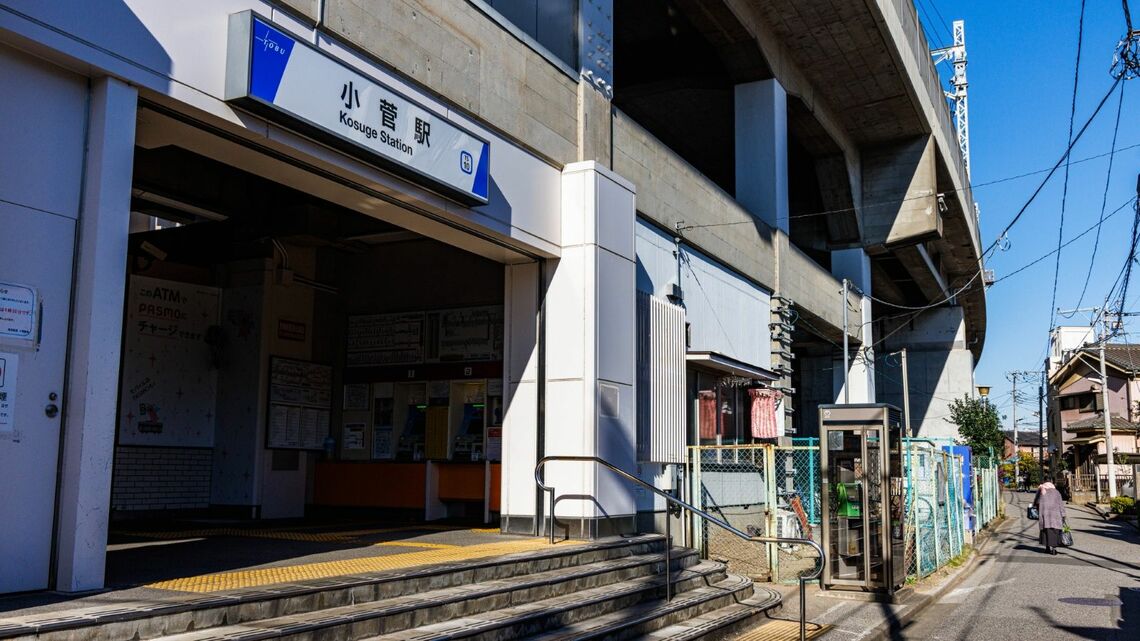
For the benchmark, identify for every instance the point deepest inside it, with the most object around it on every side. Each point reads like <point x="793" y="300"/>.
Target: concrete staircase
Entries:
<point x="608" y="589"/>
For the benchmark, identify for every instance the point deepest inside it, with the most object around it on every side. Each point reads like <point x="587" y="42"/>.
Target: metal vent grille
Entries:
<point x="660" y="380"/>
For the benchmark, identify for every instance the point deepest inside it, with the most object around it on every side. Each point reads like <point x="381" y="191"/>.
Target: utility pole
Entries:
<point x="846" y="352"/>
<point x="1016" y="452"/>
<point x="1109" y="459"/>
<point x="1013" y="376"/>
<point x="1041" y="429"/>
<point x="906" y="394"/>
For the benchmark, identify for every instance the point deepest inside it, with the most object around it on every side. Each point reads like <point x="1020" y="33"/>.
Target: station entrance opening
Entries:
<point x="290" y="352"/>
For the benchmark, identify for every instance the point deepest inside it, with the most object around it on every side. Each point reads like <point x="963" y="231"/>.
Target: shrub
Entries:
<point x="1122" y="504"/>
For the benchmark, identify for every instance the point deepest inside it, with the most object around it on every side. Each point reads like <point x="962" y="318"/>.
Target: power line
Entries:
<point x="1104" y="199"/>
<point x="1065" y="189"/>
<point x="919" y="311"/>
<point x="932" y="32"/>
<point x="945" y="25"/>
<point x="1052" y="171"/>
<point x="1066" y="244"/>
<point x="896" y="202"/>
<point x="1131" y="259"/>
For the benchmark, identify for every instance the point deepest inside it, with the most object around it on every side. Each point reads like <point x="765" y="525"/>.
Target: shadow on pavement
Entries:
<point x="1128" y="620"/>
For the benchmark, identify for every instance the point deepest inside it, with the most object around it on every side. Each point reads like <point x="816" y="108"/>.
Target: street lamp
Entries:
<point x="984" y="391"/>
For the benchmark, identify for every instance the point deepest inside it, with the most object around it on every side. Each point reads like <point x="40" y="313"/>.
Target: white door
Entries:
<point x="36" y="251"/>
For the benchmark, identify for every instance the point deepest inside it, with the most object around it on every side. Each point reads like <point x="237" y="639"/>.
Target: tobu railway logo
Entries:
<point x="466" y="162"/>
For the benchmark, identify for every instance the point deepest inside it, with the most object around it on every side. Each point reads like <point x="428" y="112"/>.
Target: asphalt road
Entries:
<point x="1089" y="591"/>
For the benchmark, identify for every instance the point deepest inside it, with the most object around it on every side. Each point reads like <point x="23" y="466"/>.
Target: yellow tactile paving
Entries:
<point x="781" y="630"/>
<point x="414" y="544"/>
<point x="288" y="574"/>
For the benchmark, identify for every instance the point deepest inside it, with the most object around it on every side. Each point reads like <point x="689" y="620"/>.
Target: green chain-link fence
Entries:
<point x="772" y="490"/>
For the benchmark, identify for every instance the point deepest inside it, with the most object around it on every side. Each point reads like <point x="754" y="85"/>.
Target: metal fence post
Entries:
<point x="770" y="521"/>
<point x="698" y="500"/>
<point x="912" y="509"/>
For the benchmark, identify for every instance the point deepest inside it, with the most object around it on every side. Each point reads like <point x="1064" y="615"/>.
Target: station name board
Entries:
<point x="272" y="72"/>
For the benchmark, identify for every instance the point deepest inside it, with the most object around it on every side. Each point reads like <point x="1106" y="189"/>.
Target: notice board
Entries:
<point x="466" y="334"/>
<point x="300" y="404"/>
<point x="169" y="377"/>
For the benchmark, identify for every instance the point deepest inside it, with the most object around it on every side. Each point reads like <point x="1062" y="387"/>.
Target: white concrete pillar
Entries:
<point x="93" y="366"/>
<point x="855" y="266"/>
<point x="762" y="151"/>
<point x="591" y="351"/>
<point x="520" y="387"/>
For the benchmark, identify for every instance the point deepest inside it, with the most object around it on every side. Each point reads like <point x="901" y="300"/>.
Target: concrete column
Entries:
<point x="762" y="151"/>
<point x="941" y="369"/>
<point x="591" y="351"/>
<point x="520" y="386"/>
<point x="855" y="266"/>
<point x="93" y="366"/>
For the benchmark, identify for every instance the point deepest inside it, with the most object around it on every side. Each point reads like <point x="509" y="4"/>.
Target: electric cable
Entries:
<point x="1065" y="188"/>
<point x="1130" y="260"/>
<point x="949" y="31"/>
<point x="867" y="206"/>
<point x="1066" y="244"/>
<point x="1103" y="202"/>
<point x="1064" y="156"/>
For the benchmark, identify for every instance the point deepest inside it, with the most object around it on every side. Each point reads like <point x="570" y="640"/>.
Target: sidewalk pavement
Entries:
<point x="854" y="618"/>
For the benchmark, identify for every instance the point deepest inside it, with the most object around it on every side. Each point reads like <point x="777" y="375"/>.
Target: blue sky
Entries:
<point x="1021" y="68"/>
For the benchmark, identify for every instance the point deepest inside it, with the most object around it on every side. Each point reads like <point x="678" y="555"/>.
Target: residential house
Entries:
<point x="1076" y="412"/>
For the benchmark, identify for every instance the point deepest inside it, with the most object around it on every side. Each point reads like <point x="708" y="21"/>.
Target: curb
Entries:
<point x="1108" y="516"/>
<point x="923" y="601"/>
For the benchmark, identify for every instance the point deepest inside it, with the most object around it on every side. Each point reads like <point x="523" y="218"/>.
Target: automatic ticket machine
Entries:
<point x="862" y="496"/>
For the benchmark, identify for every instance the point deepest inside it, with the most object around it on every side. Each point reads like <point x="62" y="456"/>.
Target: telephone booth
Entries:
<point x="862" y="496"/>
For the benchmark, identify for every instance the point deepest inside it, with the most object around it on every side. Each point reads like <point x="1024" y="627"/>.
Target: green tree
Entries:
<point x="979" y="425"/>
<point x="1029" y="468"/>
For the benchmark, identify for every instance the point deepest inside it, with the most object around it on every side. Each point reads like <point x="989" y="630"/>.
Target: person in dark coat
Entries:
<point x="1051" y="511"/>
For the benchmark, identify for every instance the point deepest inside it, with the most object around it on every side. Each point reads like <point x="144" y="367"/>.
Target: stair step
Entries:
<point x="703" y="584"/>
<point x="179" y="613"/>
<point x="364" y="619"/>
<point x="690" y="614"/>
<point x="721" y="623"/>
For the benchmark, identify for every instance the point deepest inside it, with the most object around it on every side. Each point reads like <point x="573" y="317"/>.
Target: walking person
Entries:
<point x="1051" y="515"/>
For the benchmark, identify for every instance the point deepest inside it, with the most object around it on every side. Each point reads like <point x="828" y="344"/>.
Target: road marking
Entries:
<point x="959" y="594"/>
<point x="823" y="615"/>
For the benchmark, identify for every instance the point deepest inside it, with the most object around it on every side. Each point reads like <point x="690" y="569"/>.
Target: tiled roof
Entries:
<point x="1118" y="423"/>
<point x="1027" y="437"/>
<point x="1125" y="356"/>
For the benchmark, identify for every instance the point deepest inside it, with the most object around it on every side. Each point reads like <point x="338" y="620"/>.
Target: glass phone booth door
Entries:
<point x="861" y="471"/>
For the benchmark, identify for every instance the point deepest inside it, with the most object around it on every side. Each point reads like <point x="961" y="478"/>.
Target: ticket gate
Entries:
<point x="862" y="496"/>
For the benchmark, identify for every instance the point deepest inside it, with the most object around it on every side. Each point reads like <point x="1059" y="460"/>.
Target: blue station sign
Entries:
<point x="274" y="73"/>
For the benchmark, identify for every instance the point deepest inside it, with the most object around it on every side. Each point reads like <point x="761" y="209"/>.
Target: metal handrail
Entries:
<point x="804" y="579"/>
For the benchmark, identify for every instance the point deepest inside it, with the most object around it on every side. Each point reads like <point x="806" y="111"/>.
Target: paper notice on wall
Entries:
<point x="8" y="368"/>
<point x="354" y="436"/>
<point x="17" y="311"/>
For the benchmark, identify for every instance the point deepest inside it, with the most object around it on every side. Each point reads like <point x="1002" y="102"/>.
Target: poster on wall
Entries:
<point x="9" y="364"/>
<point x="300" y="402"/>
<point x="356" y="396"/>
<point x="382" y="444"/>
<point x="169" y="375"/>
<point x="354" y="436"/>
<point x="383" y="422"/>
